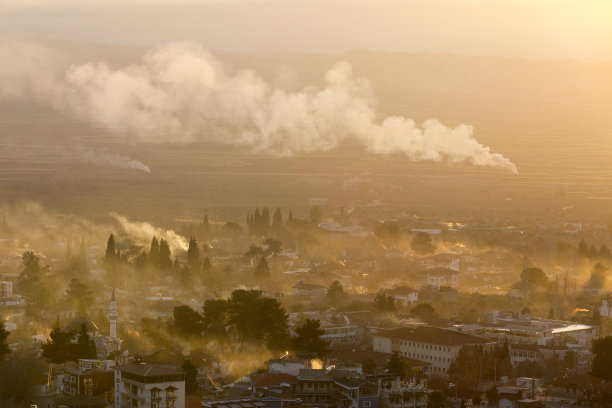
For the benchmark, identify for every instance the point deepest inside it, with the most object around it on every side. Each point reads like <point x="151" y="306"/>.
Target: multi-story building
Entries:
<point x="442" y="277"/>
<point x="6" y="289"/>
<point x="399" y="394"/>
<point x="403" y="295"/>
<point x="88" y="377"/>
<point x="434" y="345"/>
<point x="358" y="392"/>
<point x="148" y="386"/>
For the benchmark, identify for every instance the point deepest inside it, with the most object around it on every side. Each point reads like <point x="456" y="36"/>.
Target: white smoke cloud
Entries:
<point x="181" y="93"/>
<point x="144" y="231"/>
<point x="104" y="158"/>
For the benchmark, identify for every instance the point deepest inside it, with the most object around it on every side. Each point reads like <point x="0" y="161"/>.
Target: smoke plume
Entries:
<point x="144" y="231"/>
<point x="181" y="93"/>
<point x="104" y="158"/>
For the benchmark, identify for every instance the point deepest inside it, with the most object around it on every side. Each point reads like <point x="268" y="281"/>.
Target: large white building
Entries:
<point x="442" y="277"/>
<point x="148" y="386"/>
<point x="403" y="294"/>
<point x="436" y="346"/>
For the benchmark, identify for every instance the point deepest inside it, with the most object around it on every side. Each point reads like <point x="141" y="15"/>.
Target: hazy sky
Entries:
<point x="538" y="29"/>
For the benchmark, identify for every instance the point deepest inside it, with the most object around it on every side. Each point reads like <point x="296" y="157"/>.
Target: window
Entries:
<point x="367" y="404"/>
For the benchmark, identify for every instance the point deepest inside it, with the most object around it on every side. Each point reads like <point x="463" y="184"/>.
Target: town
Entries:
<point x="360" y="307"/>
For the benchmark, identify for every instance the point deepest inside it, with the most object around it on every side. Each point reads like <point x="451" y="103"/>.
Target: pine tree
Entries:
<point x="262" y="270"/>
<point x="193" y="255"/>
<point x="277" y="220"/>
<point x="205" y="229"/>
<point x="257" y="222"/>
<point x="164" y="255"/>
<point x="583" y="250"/>
<point x="154" y="252"/>
<point x="177" y="264"/>
<point x="265" y="221"/>
<point x="110" y="258"/>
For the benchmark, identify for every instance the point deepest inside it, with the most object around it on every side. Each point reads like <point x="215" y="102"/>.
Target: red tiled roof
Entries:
<point x="433" y="335"/>
<point x="400" y="290"/>
<point x="378" y="357"/>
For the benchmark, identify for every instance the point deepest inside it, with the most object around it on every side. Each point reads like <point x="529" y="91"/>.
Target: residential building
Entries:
<point x="360" y="393"/>
<point x="442" y="277"/>
<point x="403" y="295"/>
<point x="434" y="345"/>
<point x="88" y="377"/>
<point x="400" y="394"/>
<point x="145" y="385"/>
<point x="309" y="290"/>
<point x="287" y="366"/>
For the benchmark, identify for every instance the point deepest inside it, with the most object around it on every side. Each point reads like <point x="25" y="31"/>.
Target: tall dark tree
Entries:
<point x="206" y="265"/>
<point x="215" y="318"/>
<point x="262" y="270"/>
<point x="368" y="366"/>
<point x="534" y="277"/>
<point x="265" y="221"/>
<point x="84" y="346"/>
<point x="193" y="255"/>
<point x="277" y="221"/>
<point x="205" y="228"/>
<point x="389" y="233"/>
<point x="256" y="318"/>
<point x="385" y="303"/>
<point x="154" y="252"/>
<point x="36" y="283"/>
<point x="425" y="312"/>
<point x="422" y="244"/>
<point x="59" y="348"/>
<point x="396" y="366"/>
<point x="257" y="227"/>
<point x="599" y="274"/>
<point x="316" y="214"/>
<point x="308" y="343"/>
<point x="583" y="250"/>
<point x="4" y="347"/>
<point x="336" y="293"/>
<point x="164" y="255"/>
<point x="187" y="322"/>
<point x="191" y="377"/>
<point x="604" y="253"/>
<point x="602" y="362"/>
<point x="80" y="295"/>
<point x="110" y="258"/>
<point x="274" y="246"/>
<point x="470" y="366"/>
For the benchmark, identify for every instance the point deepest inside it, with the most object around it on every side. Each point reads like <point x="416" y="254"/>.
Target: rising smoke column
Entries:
<point x="181" y="90"/>
<point x="181" y="93"/>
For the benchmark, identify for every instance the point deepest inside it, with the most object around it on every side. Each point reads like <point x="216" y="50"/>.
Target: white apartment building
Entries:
<point x="433" y="345"/>
<point x="442" y="277"/>
<point x="148" y="386"/>
<point x="403" y="295"/>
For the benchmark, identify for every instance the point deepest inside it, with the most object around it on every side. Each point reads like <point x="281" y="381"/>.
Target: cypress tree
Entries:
<point x="110" y="257"/>
<point x="193" y="255"/>
<point x="154" y="252"/>
<point x="164" y="255"/>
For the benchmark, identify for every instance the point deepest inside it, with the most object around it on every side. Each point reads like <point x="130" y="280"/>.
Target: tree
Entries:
<point x="110" y="257"/>
<point x="193" y="255"/>
<point x="258" y="319"/>
<point x="368" y="366"/>
<point x="215" y="318"/>
<point x="4" y="347"/>
<point x="262" y="270"/>
<point x="191" y="377"/>
<point x="206" y="265"/>
<point x="205" y="228"/>
<point x="231" y="230"/>
<point x="84" y="347"/>
<point x="604" y="253"/>
<point x="164" y="255"/>
<point x="385" y="303"/>
<point x="80" y="294"/>
<point x="36" y="283"/>
<point x="388" y="232"/>
<point x="395" y="365"/>
<point x="470" y="366"/>
<point x="308" y="342"/>
<point x="187" y="322"/>
<point x="534" y="277"/>
<point x="58" y="348"/>
<point x="421" y="244"/>
<point x="154" y="254"/>
<point x="336" y="293"/>
<point x="273" y="246"/>
<point x="19" y="380"/>
<point x="316" y="214"/>
<point x="277" y="221"/>
<point x="425" y="312"/>
<point x="602" y="361"/>
<point x="598" y="277"/>
<point x="492" y="394"/>
<point x="265" y="221"/>
<point x="437" y="399"/>
<point x="583" y="250"/>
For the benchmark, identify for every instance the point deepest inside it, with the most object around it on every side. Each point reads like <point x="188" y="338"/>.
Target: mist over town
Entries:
<point x="305" y="204"/>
